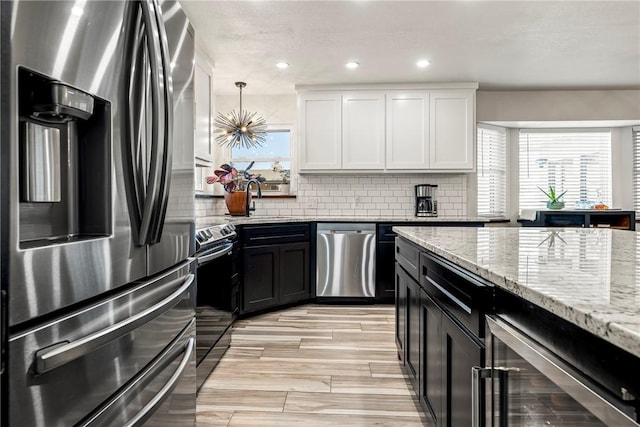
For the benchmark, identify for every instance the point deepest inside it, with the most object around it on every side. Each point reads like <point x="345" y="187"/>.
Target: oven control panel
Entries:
<point x="208" y="236"/>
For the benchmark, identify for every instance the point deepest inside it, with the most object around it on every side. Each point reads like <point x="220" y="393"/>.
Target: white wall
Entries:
<point x="557" y="105"/>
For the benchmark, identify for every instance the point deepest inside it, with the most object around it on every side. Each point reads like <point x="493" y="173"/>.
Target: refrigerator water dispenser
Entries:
<point x="65" y="158"/>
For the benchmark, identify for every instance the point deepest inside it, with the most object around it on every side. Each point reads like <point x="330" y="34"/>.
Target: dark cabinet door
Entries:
<point x="385" y="272"/>
<point x="412" y="339"/>
<point x="261" y="278"/>
<point x="401" y="310"/>
<point x="462" y="352"/>
<point x="432" y="358"/>
<point x="294" y="272"/>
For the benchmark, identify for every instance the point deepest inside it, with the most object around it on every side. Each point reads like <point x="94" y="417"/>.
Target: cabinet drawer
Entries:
<point x="408" y="256"/>
<point x="464" y="297"/>
<point x="275" y="234"/>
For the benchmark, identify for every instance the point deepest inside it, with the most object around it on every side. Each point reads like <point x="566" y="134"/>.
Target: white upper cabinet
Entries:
<point x="320" y="124"/>
<point x="407" y="130"/>
<point x="421" y="128"/>
<point x="363" y="130"/>
<point x="203" y="112"/>
<point x="451" y="136"/>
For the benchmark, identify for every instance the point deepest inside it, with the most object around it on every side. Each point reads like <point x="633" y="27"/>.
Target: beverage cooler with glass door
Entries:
<point x="542" y="371"/>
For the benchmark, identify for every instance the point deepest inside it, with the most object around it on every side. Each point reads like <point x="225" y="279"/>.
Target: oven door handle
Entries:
<point x="62" y="353"/>
<point x="217" y="254"/>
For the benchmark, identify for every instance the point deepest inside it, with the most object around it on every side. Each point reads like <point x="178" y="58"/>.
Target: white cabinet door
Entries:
<point x="203" y="114"/>
<point x="451" y="136"/>
<point x="407" y="130"/>
<point x="363" y="130"/>
<point x="320" y="116"/>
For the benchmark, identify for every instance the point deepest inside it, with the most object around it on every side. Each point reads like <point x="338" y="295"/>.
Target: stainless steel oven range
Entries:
<point x="217" y="298"/>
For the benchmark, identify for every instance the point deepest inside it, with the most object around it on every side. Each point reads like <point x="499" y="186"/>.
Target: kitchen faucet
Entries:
<point x="248" y="208"/>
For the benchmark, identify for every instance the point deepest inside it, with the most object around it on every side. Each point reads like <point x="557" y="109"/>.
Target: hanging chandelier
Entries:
<point x="241" y="128"/>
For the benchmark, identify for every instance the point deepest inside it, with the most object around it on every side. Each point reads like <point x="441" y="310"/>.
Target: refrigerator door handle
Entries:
<point x="162" y="198"/>
<point x="156" y="62"/>
<point x="60" y="354"/>
<point x="135" y="156"/>
<point x="164" y="392"/>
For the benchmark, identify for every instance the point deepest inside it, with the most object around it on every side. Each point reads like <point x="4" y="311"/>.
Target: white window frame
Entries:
<point x="500" y="171"/>
<point x="293" y="180"/>
<point x="608" y="197"/>
<point x="635" y="137"/>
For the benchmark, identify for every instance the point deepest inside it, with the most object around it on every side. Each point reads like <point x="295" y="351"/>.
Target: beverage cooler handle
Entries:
<point x="478" y="410"/>
<point x="62" y="353"/>
<point x="162" y="199"/>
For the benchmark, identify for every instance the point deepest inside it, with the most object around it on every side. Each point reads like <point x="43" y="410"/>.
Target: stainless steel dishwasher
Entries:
<point x="346" y="260"/>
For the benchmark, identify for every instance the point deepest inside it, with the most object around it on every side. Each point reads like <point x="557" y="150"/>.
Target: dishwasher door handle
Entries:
<point x="346" y="232"/>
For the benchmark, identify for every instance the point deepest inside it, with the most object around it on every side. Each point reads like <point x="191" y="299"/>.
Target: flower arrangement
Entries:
<point x="232" y="179"/>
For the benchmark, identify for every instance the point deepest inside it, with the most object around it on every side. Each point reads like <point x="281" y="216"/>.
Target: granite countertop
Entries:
<point x="589" y="277"/>
<point x="211" y="220"/>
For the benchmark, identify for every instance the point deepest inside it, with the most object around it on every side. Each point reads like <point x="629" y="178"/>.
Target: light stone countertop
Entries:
<point x="589" y="277"/>
<point x="211" y="220"/>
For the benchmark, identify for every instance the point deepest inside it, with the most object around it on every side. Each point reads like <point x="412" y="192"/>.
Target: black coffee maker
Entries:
<point x="426" y="203"/>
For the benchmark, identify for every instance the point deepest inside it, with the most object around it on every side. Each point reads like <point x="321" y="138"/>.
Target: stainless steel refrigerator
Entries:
<point x="97" y="213"/>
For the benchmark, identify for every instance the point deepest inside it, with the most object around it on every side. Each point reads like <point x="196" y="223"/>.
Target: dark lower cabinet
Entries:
<point x="432" y="394"/>
<point x="461" y="352"/>
<point x="275" y="275"/>
<point x="261" y="277"/>
<point x="412" y="344"/>
<point x="401" y="310"/>
<point x="276" y="263"/>
<point x="447" y="354"/>
<point x="385" y="274"/>
<point x="294" y="272"/>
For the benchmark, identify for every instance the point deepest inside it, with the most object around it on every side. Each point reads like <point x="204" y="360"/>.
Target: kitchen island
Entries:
<point x="588" y="277"/>
<point x="558" y="310"/>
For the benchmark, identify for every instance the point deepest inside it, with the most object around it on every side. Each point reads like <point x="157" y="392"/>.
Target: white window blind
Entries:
<point x="575" y="161"/>
<point x="492" y="166"/>
<point x="636" y="169"/>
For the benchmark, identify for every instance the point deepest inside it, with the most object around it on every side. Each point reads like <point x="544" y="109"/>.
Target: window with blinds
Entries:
<point x="636" y="169"/>
<point x="575" y="161"/>
<point x="492" y="166"/>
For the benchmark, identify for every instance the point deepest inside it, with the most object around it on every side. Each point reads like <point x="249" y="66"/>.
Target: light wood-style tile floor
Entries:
<point x="314" y="365"/>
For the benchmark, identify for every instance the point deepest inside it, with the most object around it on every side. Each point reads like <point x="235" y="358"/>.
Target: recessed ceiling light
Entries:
<point x="352" y="65"/>
<point x="282" y="65"/>
<point x="423" y="63"/>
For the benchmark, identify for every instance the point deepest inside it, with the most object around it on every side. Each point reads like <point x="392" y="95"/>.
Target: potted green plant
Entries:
<point x="554" y="201"/>
<point x="285" y="175"/>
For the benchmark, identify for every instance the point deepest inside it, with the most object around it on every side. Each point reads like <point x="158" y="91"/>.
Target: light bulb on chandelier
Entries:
<point x="241" y="128"/>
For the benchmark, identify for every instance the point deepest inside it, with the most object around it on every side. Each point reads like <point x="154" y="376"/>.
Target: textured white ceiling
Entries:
<point x="503" y="45"/>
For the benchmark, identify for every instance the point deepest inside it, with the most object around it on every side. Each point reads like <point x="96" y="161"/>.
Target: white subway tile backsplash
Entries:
<point x="388" y="195"/>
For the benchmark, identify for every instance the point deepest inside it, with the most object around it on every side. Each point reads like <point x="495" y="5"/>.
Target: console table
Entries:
<point x="609" y="218"/>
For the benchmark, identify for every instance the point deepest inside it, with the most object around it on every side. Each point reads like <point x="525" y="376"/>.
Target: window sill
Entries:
<point x="264" y="196"/>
